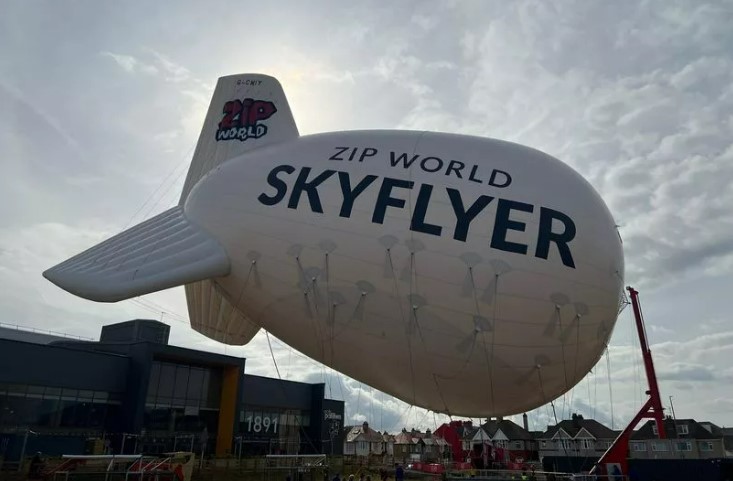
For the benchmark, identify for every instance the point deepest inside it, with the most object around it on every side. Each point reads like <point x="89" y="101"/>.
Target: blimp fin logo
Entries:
<point x="243" y="119"/>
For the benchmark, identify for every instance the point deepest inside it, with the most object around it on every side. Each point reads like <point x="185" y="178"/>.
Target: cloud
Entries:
<point x="635" y="96"/>
<point x="130" y="64"/>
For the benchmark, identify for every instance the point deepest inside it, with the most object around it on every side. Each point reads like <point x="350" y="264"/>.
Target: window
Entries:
<point x="659" y="446"/>
<point x="683" y="446"/>
<point x="52" y="407"/>
<point x="565" y="444"/>
<point x="638" y="446"/>
<point x="586" y="444"/>
<point x="518" y="445"/>
<point x="683" y="429"/>
<point x="655" y="430"/>
<point x="706" y="446"/>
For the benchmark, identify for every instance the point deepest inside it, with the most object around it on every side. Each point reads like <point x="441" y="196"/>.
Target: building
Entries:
<point x="686" y="439"/>
<point x="574" y="445"/>
<point x="515" y="441"/>
<point x="363" y="442"/>
<point x="133" y="391"/>
<point x="458" y="435"/>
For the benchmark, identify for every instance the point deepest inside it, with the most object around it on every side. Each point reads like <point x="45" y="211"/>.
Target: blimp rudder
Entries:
<point x="247" y="112"/>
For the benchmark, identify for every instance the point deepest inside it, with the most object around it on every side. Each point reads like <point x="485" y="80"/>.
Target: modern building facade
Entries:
<point x="132" y="391"/>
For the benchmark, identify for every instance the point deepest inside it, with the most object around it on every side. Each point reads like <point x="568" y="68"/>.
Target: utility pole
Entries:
<point x="22" y="451"/>
<point x="674" y="422"/>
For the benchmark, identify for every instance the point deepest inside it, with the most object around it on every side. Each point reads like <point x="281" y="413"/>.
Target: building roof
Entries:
<point x="363" y="433"/>
<point x="467" y="432"/>
<point x="695" y="430"/>
<point x="573" y="426"/>
<point x="511" y="430"/>
<point x="33" y="336"/>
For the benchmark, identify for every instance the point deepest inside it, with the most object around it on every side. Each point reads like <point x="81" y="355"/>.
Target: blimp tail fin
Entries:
<point x="165" y="251"/>
<point x="212" y="315"/>
<point x="247" y="112"/>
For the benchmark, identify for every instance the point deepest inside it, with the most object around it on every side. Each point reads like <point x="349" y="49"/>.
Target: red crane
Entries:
<point x="618" y="453"/>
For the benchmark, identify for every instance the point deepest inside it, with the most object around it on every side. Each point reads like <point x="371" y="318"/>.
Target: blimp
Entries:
<point x="466" y="275"/>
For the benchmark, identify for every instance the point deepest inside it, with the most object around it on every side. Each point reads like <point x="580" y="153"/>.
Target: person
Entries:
<point x="399" y="473"/>
<point x="36" y="467"/>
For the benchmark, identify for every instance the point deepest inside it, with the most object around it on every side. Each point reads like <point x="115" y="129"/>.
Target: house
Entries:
<point x="515" y="441"/>
<point x="435" y="448"/>
<point x="406" y="448"/>
<point x="686" y="439"/>
<point x="414" y="445"/>
<point x="363" y="441"/>
<point x="458" y="435"/>
<point x="576" y="437"/>
<point x="388" y="441"/>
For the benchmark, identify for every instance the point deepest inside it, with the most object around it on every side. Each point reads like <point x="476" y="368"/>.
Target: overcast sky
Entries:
<point x="101" y="104"/>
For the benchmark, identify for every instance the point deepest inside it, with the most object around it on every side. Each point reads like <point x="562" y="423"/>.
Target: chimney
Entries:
<point x="365" y="427"/>
<point x="525" y="422"/>
<point x="428" y="433"/>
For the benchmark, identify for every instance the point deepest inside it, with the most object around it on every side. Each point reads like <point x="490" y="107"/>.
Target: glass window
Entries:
<point x="47" y="412"/>
<point x="167" y="380"/>
<point x="69" y="394"/>
<point x="68" y="413"/>
<point x="706" y="446"/>
<point x="684" y="446"/>
<point x="100" y="397"/>
<point x="213" y="388"/>
<point x="97" y="415"/>
<point x="153" y="382"/>
<point x="640" y="446"/>
<point x="35" y="392"/>
<point x="195" y="384"/>
<point x="17" y="390"/>
<point x="659" y="446"/>
<point x="86" y="396"/>
<point x="683" y="429"/>
<point x="179" y="390"/>
<point x="52" y="393"/>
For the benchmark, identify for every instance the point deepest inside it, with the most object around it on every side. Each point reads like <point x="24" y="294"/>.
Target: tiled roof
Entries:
<point x="573" y="426"/>
<point x="696" y="430"/>
<point x="511" y="430"/>
<point x="359" y="433"/>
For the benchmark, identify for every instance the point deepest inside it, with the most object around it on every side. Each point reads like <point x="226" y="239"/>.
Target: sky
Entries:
<point x="101" y="104"/>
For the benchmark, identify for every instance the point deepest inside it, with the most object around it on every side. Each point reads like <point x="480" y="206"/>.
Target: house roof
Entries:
<point x="363" y="433"/>
<point x="403" y="438"/>
<point x="696" y="430"/>
<point x="511" y="430"/>
<point x="467" y="432"/>
<point x="573" y="426"/>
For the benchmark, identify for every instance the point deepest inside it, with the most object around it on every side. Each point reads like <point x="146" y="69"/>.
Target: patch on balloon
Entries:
<point x="243" y="119"/>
